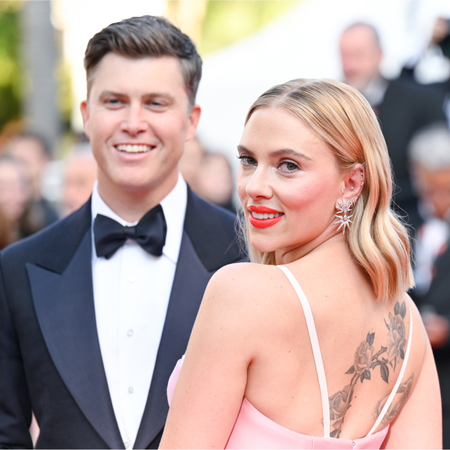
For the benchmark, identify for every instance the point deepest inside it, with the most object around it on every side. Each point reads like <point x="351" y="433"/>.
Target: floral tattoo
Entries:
<point x="366" y="360"/>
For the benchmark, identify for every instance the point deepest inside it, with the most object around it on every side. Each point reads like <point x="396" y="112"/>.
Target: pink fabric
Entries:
<point x="254" y="430"/>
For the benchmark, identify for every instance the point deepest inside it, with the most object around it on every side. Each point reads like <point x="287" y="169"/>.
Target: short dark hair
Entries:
<point x="146" y="36"/>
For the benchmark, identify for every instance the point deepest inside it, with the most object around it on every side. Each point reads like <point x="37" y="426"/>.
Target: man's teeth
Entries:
<point x="265" y="215"/>
<point x="133" y="148"/>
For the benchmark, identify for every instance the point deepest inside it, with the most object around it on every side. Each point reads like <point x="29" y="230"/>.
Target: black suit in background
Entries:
<point x="438" y="297"/>
<point x="404" y="110"/>
<point x="50" y="359"/>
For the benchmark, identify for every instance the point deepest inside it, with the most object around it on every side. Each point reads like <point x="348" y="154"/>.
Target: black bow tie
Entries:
<point x="149" y="233"/>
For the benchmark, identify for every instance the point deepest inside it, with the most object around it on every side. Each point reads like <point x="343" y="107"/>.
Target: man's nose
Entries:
<point x="136" y="121"/>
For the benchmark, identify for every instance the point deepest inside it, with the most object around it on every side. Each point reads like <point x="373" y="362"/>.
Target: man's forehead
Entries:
<point x="147" y="75"/>
<point x="359" y="35"/>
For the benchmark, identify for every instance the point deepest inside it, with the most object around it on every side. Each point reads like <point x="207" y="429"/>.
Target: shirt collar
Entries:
<point x="173" y="205"/>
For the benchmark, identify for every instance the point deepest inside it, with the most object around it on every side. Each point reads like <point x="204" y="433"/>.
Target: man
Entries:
<point x="91" y="329"/>
<point x="430" y="158"/>
<point x="80" y="174"/>
<point x="403" y="108"/>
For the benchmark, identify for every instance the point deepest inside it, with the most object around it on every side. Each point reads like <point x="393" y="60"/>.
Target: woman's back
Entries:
<point x="362" y="357"/>
<point x="362" y="342"/>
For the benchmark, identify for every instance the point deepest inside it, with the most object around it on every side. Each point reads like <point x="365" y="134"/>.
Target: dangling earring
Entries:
<point x="343" y="216"/>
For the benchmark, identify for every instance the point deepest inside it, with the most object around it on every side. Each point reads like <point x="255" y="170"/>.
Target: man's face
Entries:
<point x="361" y="56"/>
<point x="434" y="188"/>
<point x="138" y="119"/>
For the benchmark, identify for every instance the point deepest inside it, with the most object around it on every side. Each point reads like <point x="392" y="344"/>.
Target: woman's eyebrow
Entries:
<point x="290" y="152"/>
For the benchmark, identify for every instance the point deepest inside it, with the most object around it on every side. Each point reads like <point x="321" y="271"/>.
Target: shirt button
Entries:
<point x="126" y="444"/>
<point x="130" y="333"/>
<point x="130" y="390"/>
<point x="131" y="278"/>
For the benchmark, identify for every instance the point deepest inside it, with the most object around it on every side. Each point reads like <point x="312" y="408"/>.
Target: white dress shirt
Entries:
<point x="131" y="295"/>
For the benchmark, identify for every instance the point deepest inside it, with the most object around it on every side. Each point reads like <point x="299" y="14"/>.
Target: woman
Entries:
<point x="342" y="361"/>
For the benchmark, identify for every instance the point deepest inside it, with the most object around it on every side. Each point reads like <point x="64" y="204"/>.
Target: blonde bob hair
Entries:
<point x="344" y="120"/>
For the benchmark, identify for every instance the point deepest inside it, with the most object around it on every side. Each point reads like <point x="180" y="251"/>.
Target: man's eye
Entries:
<point x="247" y="160"/>
<point x="288" y="166"/>
<point x="113" y="102"/>
<point x="156" y="104"/>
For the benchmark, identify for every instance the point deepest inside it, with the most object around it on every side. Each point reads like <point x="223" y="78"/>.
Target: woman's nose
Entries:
<point x="258" y="185"/>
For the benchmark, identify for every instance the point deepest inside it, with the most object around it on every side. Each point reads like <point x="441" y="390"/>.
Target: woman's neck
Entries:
<point x="329" y="237"/>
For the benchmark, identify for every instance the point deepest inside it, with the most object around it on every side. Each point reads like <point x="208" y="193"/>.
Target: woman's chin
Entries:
<point x="262" y="247"/>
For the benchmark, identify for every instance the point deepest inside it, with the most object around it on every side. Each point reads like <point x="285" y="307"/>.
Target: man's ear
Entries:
<point x="194" y="118"/>
<point x="353" y="183"/>
<point x="85" y="114"/>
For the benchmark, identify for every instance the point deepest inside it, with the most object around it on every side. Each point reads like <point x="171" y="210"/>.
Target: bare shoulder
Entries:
<point x="246" y="276"/>
<point x="250" y="289"/>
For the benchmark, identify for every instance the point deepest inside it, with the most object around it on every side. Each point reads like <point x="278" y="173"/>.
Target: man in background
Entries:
<point x="80" y="173"/>
<point x="430" y="159"/>
<point x="403" y="108"/>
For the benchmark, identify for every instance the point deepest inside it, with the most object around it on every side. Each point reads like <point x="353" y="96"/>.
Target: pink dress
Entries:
<point x="254" y="430"/>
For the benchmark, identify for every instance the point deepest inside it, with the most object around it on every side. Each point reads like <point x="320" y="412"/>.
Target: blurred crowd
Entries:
<point x="415" y="121"/>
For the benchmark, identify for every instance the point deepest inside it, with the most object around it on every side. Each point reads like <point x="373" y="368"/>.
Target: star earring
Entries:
<point x="344" y="208"/>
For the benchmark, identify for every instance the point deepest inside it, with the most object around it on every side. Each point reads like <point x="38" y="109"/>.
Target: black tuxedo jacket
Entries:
<point x="406" y="108"/>
<point x="50" y="360"/>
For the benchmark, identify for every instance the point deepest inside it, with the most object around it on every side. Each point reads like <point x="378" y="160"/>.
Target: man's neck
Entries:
<point x="132" y="205"/>
<point x="375" y="90"/>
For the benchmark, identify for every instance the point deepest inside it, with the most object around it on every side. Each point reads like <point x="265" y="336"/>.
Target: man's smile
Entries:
<point x="134" y="148"/>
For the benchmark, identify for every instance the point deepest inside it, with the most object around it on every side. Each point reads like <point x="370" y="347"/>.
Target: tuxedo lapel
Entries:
<point x="190" y="280"/>
<point x="65" y="311"/>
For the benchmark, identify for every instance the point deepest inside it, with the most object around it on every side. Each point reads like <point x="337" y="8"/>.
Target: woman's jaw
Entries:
<point x="268" y="238"/>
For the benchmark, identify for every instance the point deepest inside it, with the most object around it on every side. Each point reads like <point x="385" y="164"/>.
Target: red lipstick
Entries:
<point x="263" y="223"/>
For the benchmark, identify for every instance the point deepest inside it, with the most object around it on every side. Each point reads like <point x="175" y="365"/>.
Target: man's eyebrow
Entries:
<point x="280" y="152"/>
<point x="147" y="96"/>
<point x="111" y="94"/>
<point x="158" y="94"/>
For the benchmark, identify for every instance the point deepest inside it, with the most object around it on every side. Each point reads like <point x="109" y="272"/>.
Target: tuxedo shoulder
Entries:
<point x="407" y="88"/>
<point x="213" y="232"/>
<point x="59" y="238"/>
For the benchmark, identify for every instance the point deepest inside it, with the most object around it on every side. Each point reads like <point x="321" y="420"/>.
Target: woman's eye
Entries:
<point x="247" y="160"/>
<point x="288" y="166"/>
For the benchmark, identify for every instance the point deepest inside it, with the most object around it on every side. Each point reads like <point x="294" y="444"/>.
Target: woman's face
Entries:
<point x="288" y="183"/>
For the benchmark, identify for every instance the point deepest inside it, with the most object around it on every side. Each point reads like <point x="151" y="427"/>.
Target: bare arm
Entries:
<point x="419" y="423"/>
<point x="212" y="382"/>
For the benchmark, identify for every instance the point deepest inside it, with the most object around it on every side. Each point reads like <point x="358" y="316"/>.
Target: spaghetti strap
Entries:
<point x="399" y="379"/>
<point x="315" y="347"/>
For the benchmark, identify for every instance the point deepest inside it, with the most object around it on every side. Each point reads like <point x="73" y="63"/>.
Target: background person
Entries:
<point x="31" y="150"/>
<point x="261" y="369"/>
<point x="96" y="309"/>
<point x="402" y="107"/>
<point x="215" y="182"/>
<point x="80" y="173"/>
<point x="15" y="198"/>
<point x="430" y="158"/>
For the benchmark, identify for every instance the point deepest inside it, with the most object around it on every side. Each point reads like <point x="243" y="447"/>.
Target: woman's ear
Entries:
<point x="353" y="183"/>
